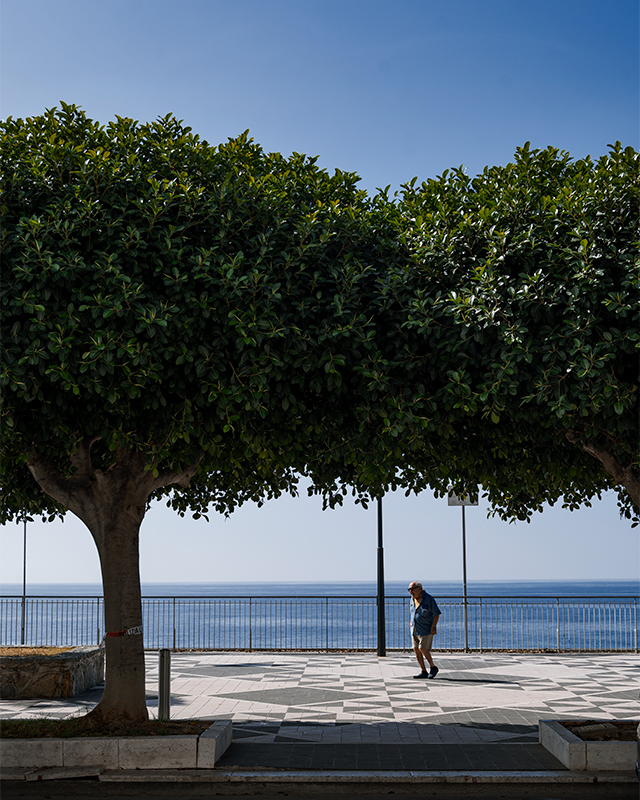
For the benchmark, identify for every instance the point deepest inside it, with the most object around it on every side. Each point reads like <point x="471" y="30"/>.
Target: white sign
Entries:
<point x="454" y="500"/>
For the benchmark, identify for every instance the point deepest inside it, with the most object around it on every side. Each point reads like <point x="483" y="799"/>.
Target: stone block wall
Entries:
<point x="60" y="675"/>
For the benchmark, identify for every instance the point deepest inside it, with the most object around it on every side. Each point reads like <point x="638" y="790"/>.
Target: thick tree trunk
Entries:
<point x="112" y="505"/>
<point x="124" y="688"/>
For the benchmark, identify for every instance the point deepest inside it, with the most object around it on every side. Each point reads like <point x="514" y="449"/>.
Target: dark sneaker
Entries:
<point x="434" y="672"/>
<point x="424" y="674"/>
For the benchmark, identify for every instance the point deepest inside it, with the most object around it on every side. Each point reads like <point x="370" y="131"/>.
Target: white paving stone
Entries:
<point x="380" y="692"/>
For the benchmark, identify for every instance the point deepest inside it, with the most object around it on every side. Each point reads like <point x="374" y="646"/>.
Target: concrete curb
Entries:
<point x="577" y="754"/>
<point x="124" y="753"/>
<point x="287" y="777"/>
<point x="63" y="773"/>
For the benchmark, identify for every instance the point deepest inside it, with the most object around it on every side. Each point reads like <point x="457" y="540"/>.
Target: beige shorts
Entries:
<point x="422" y="642"/>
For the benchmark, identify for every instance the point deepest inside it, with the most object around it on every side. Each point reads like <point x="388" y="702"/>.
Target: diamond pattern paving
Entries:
<point x="335" y="711"/>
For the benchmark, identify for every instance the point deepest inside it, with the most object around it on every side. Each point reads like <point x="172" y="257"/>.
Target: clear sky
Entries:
<point x="387" y="90"/>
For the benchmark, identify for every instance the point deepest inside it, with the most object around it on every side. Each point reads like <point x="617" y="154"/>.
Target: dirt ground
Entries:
<point x="598" y="730"/>
<point x="33" y="651"/>
<point x="66" y="728"/>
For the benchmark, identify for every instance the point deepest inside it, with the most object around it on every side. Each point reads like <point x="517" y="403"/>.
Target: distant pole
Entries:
<point x="464" y="582"/>
<point x="382" y="645"/>
<point x="24" y="581"/>
<point x="454" y="500"/>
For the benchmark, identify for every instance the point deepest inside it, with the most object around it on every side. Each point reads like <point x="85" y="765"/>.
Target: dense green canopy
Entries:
<point x="210" y="323"/>
<point x="528" y="283"/>
<point x="189" y="301"/>
<point x="254" y="312"/>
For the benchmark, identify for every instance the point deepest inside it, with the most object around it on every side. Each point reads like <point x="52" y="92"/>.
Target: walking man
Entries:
<point x="424" y="621"/>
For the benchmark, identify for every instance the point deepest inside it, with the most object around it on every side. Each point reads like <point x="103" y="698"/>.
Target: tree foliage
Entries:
<point x="210" y="323"/>
<point x="531" y="277"/>
<point x="185" y="300"/>
<point x="257" y="313"/>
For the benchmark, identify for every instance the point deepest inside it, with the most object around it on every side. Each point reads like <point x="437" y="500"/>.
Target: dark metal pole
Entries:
<point x="464" y="582"/>
<point x="164" y="684"/>
<point x="382" y="643"/>
<point x="24" y="582"/>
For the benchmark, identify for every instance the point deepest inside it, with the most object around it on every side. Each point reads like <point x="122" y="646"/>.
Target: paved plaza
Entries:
<point x="355" y="710"/>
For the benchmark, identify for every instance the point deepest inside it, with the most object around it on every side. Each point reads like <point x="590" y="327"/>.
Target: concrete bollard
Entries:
<point x="164" y="684"/>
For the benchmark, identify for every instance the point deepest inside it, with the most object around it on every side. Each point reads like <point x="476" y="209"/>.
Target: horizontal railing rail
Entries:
<point x="562" y="624"/>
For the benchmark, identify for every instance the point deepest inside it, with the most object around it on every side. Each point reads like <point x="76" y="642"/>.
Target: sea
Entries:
<point x="531" y="588"/>
<point x="498" y="615"/>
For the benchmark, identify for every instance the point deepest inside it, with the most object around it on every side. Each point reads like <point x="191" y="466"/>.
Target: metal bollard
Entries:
<point x="164" y="684"/>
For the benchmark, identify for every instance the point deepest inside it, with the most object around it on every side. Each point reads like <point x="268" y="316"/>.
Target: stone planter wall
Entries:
<point x="126" y="752"/>
<point x="61" y="675"/>
<point x="576" y="754"/>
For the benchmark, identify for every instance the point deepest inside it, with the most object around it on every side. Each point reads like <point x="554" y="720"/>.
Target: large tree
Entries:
<point x="174" y="315"/>
<point x="530" y="282"/>
<point x="507" y="338"/>
<point x="209" y="323"/>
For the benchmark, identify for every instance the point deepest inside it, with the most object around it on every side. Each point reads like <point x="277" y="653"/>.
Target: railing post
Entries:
<point x="635" y="620"/>
<point x="250" y="627"/>
<point x="174" y="624"/>
<point x="558" y="624"/>
<point x="22" y="623"/>
<point x="164" y="684"/>
<point x="481" y="625"/>
<point x="326" y="620"/>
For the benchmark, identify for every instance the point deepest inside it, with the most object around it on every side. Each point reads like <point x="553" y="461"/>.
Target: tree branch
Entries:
<point x="65" y="490"/>
<point x="167" y="477"/>
<point x="625" y="476"/>
<point x="81" y="459"/>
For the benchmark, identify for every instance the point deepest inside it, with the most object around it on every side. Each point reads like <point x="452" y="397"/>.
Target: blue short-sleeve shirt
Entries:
<point x="422" y="616"/>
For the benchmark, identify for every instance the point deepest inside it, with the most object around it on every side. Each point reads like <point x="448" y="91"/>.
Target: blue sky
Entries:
<point x="387" y="90"/>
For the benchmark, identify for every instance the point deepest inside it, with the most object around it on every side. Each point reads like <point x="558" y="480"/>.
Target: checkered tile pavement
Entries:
<point x="360" y="698"/>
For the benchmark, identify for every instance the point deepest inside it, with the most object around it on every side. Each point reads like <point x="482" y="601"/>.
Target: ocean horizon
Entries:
<point x="563" y="615"/>
<point x="529" y="588"/>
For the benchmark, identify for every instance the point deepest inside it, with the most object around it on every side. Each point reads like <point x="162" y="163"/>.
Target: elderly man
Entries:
<point x="424" y="621"/>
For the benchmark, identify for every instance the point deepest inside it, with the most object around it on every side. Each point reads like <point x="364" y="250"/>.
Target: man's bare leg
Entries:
<point x="421" y="655"/>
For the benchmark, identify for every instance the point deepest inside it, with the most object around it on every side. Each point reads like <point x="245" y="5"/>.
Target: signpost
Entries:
<point x="454" y="500"/>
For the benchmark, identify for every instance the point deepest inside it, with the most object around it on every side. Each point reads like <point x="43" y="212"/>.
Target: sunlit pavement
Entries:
<point x="351" y="699"/>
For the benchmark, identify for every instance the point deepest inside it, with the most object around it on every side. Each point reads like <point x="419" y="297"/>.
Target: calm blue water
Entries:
<point x="251" y="615"/>
<point x="575" y="588"/>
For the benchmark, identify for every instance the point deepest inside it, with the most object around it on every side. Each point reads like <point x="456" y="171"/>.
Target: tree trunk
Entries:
<point x="112" y="505"/>
<point x="124" y="688"/>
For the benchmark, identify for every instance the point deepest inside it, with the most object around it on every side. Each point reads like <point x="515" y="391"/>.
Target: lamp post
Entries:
<point x="454" y="500"/>
<point x="382" y="645"/>
<point x="24" y="581"/>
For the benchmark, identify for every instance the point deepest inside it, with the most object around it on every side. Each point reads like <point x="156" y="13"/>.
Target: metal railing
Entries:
<point x="579" y="624"/>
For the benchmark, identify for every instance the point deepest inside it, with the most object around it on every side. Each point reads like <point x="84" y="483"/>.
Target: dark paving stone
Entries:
<point x="629" y="694"/>
<point x="517" y="730"/>
<point x="505" y="684"/>
<point x="222" y="670"/>
<point x="505" y="756"/>
<point x="295" y="696"/>
<point x="245" y="734"/>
